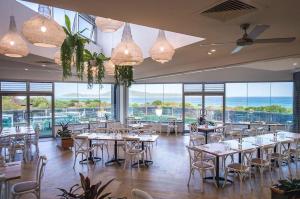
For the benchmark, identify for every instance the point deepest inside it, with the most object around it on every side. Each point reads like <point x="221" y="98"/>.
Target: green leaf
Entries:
<point x="68" y="23"/>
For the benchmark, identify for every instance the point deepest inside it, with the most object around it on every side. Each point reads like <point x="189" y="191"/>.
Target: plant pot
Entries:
<point x="280" y="194"/>
<point x="64" y="143"/>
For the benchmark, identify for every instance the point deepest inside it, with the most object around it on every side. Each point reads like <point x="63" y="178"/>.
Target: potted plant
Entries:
<point x="124" y="75"/>
<point x="72" y="51"/>
<point x="88" y="191"/>
<point x="64" y="140"/>
<point x="286" y="189"/>
<point x="94" y="66"/>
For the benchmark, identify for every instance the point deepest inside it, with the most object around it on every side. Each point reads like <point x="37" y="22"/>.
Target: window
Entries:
<point x="13" y="86"/>
<point x="76" y="103"/>
<point x="259" y="102"/>
<point x="145" y="99"/>
<point x="41" y="87"/>
<point x="86" y="25"/>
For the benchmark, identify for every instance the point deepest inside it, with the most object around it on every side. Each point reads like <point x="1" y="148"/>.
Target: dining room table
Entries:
<point x="12" y="131"/>
<point x="206" y="129"/>
<point x="8" y="172"/>
<point x="238" y="146"/>
<point x="119" y="137"/>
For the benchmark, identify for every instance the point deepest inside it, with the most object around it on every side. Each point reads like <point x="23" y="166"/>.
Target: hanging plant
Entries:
<point x="94" y="67"/>
<point x="124" y="75"/>
<point x="72" y="51"/>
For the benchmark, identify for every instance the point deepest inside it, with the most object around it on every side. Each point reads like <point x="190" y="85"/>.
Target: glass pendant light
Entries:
<point x="162" y="51"/>
<point x="12" y="44"/>
<point x="41" y="30"/>
<point x="127" y="52"/>
<point x="108" y="25"/>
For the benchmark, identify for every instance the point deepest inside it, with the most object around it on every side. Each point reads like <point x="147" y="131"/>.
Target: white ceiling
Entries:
<point x="184" y="17"/>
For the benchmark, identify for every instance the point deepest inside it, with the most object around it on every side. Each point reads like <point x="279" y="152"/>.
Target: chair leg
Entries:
<point x="261" y="176"/>
<point x="191" y="170"/>
<point x="202" y="181"/>
<point x="225" y="177"/>
<point x="75" y="161"/>
<point x="241" y="183"/>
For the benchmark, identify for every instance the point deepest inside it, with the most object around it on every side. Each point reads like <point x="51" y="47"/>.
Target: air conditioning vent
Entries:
<point x="45" y="62"/>
<point x="228" y="10"/>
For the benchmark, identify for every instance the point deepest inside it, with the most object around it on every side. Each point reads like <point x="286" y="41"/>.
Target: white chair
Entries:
<point x="139" y="194"/>
<point x="197" y="163"/>
<point x="133" y="150"/>
<point x="197" y="139"/>
<point x="295" y="152"/>
<point x="263" y="162"/>
<point x="81" y="146"/>
<point x="242" y="169"/>
<point x="100" y="144"/>
<point x="5" y="145"/>
<point x="34" y="186"/>
<point x="172" y="125"/>
<point x="34" y="140"/>
<point x="19" y="143"/>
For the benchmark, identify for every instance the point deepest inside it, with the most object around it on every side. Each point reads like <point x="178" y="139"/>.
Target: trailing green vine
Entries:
<point x="124" y="75"/>
<point x="72" y="51"/>
<point x="95" y="67"/>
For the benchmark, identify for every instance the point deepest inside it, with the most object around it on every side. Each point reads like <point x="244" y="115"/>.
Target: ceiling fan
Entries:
<point x="250" y="39"/>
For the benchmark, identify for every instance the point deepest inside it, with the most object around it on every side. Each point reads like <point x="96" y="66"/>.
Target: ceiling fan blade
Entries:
<point x="237" y="49"/>
<point x="275" y="40"/>
<point x="257" y="30"/>
<point x="216" y="44"/>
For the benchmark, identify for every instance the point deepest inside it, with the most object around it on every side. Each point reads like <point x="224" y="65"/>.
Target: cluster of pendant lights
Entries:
<point x="127" y="52"/>
<point x="40" y="30"/>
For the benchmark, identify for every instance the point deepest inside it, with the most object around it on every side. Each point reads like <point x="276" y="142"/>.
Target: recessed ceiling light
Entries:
<point x="26" y="69"/>
<point x="213" y="50"/>
<point x="43" y="65"/>
<point x="209" y="53"/>
<point x="295" y="64"/>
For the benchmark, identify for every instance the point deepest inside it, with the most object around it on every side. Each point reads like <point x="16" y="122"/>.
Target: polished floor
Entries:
<point x="165" y="179"/>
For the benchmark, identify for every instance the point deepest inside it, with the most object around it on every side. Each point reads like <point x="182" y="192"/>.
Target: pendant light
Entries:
<point x="41" y="30"/>
<point x="108" y="25"/>
<point x="127" y="52"/>
<point x="12" y="44"/>
<point x="109" y="68"/>
<point x="162" y="51"/>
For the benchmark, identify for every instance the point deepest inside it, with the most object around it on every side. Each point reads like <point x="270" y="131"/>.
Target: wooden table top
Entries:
<point x="117" y="137"/>
<point x="12" y="170"/>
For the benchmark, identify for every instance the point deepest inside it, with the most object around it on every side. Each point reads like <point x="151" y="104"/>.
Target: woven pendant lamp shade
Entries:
<point x="56" y="58"/>
<point x="108" y="25"/>
<point x="41" y="30"/>
<point x="12" y="44"/>
<point x="109" y="68"/>
<point x="127" y="52"/>
<point x="162" y="51"/>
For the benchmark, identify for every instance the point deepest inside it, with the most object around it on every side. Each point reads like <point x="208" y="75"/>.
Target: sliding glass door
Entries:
<point x="41" y="114"/>
<point x="14" y="111"/>
<point x="214" y="107"/>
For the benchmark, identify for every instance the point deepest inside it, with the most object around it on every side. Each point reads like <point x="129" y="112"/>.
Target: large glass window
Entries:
<point x="146" y="99"/>
<point x="259" y="102"/>
<point x="76" y="103"/>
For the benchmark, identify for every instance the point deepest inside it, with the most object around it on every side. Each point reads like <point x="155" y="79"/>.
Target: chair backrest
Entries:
<point x="139" y="194"/>
<point x="197" y="140"/>
<point x="40" y="170"/>
<point x="171" y="122"/>
<point x="194" y="154"/>
<point x="193" y="128"/>
<point x="216" y="137"/>
<point x="131" y="143"/>
<point x="247" y="156"/>
<point x="80" y="143"/>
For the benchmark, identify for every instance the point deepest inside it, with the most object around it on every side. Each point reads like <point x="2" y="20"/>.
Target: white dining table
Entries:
<point x="12" y="131"/>
<point x="229" y="147"/>
<point x="117" y="137"/>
